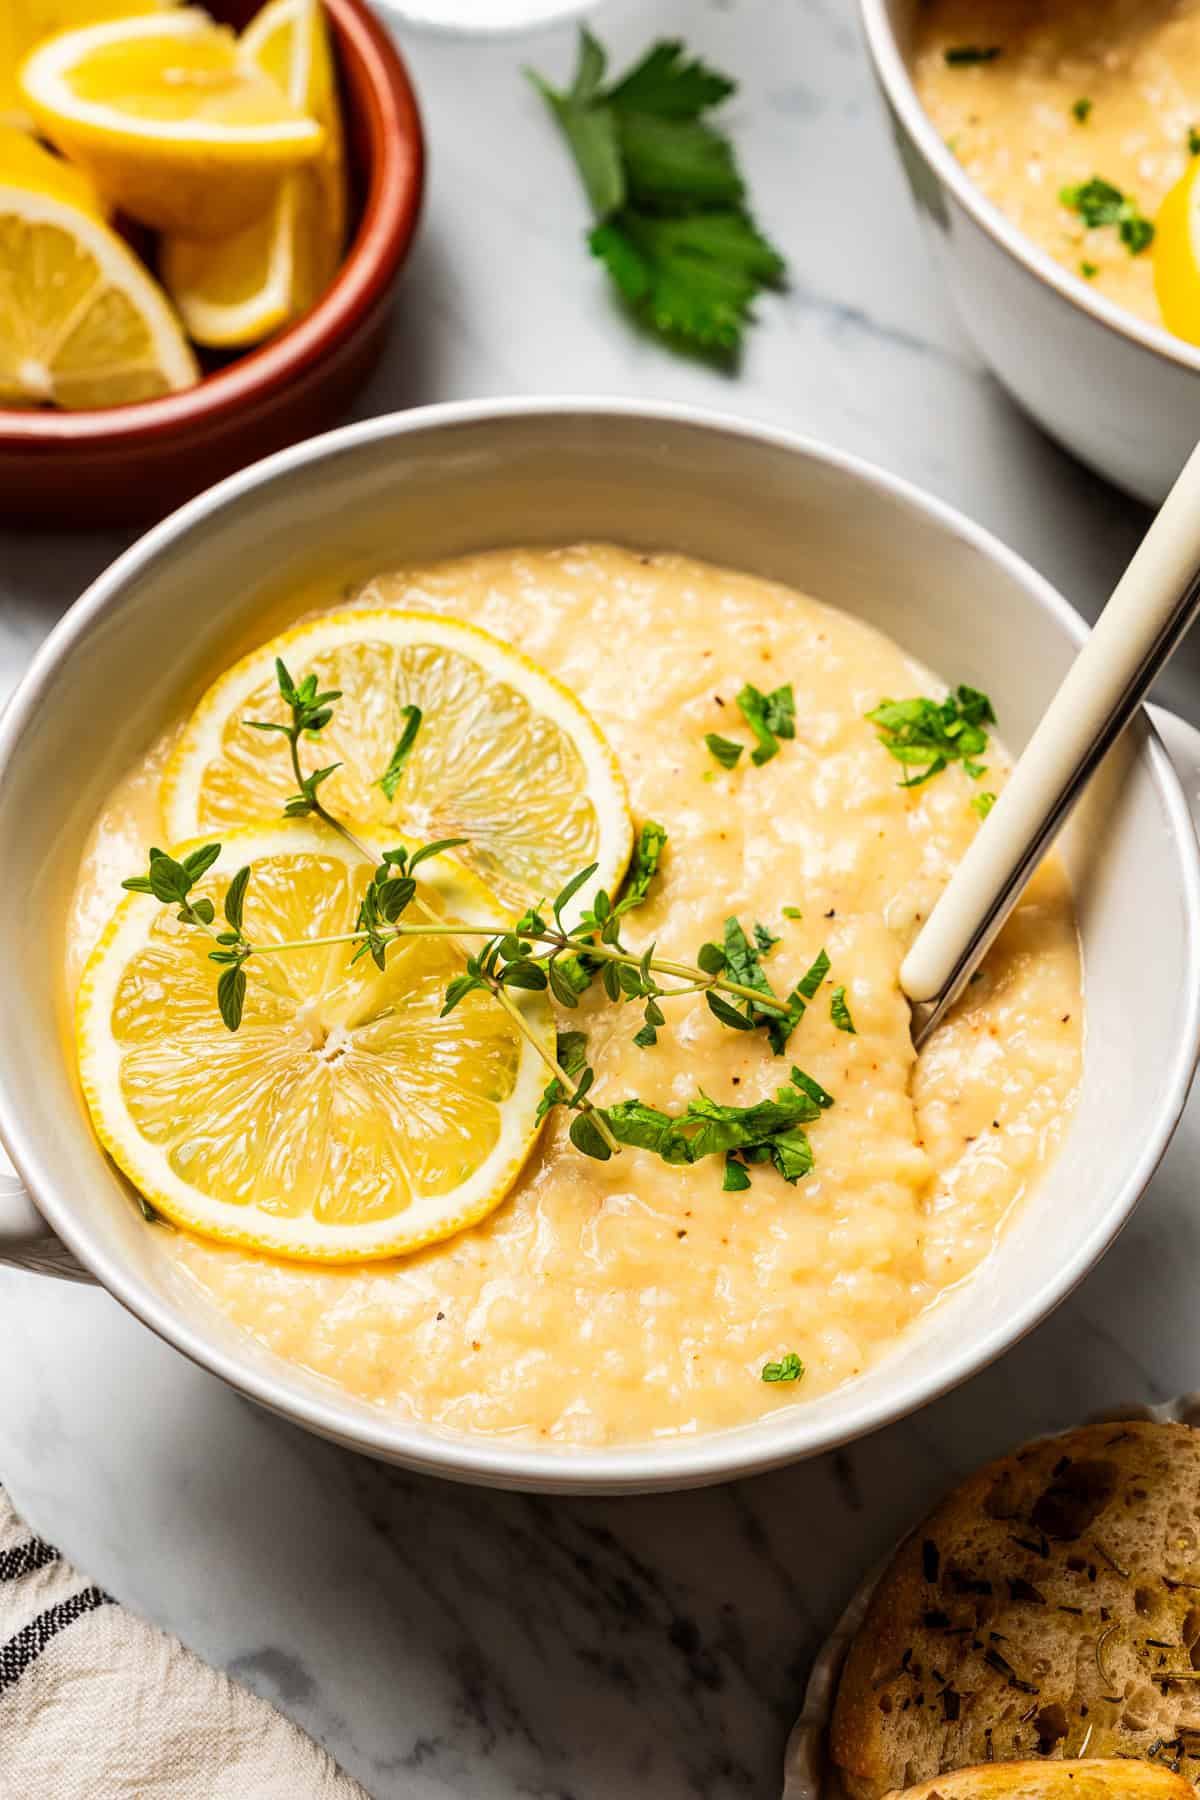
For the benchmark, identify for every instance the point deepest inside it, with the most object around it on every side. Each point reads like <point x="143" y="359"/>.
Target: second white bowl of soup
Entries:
<point x="1044" y="145"/>
<point x="649" y="1320"/>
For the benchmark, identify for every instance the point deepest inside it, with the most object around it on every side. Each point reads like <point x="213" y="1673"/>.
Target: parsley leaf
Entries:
<point x="768" y="1131"/>
<point x="741" y="962"/>
<point x="666" y="193"/>
<point x="692" y="277"/>
<point x="770" y="717"/>
<point x="791" y="912"/>
<point x="961" y="56"/>
<point x="727" y="753"/>
<point x="839" y="1012"/>
<point x="643" y="868"/>
<point x="1193" y="141"/>
<point x="764" y="939"/>
<point x="982" y="804"/>
<point x="1082" y="110"/>
<point x="927" y="735"/>
<point x="1099" y="203"/>
<point x="665" y="84"/>
<point x="789" y="1369"/>
<point x="571" y="1056"/>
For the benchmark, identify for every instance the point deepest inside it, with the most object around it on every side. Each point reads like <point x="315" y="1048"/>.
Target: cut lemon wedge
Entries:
<point x="345" y="1119"/>
<point x="26" y="164"/>
<point x="82" y="325"/>
<point x="1177" y="257"/>
<point x="24" y="23"/>
<point x="236" y="290"/>
<point x="172" y="126"/>
<point x="505" y="756"/>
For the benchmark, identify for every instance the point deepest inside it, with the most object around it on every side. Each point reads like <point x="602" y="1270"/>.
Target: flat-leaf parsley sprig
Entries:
<point x="664" y="187"/>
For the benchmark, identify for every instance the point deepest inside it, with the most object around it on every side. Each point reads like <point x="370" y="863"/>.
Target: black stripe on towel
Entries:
<point x="25" y="1646"/>
<point x="23" y="1559"/>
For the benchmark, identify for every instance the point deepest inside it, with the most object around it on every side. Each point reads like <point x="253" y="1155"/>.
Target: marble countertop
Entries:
<point x="443" y="1641"/>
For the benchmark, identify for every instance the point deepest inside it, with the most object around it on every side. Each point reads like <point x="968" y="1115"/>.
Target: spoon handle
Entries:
<point x="1149" y="613"/>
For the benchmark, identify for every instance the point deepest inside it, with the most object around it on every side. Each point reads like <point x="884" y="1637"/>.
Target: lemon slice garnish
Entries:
<point x="81" y="322"/>
<point x="236" y="290"/>
<point x="172" y="125"/>
<point x="346" y="1119"/>
<point x="1177" y="257"/>
<point x="505" y="757"/>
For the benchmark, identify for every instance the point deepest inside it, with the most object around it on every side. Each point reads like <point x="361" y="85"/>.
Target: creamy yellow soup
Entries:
<point x="632" y="1300"/>
<point x="1079" y="89"/>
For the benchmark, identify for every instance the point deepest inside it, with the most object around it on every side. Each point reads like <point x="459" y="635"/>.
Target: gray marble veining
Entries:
<point x="450" y="1642"/>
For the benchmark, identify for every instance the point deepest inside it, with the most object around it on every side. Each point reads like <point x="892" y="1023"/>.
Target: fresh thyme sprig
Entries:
<point x="573" y="955"/>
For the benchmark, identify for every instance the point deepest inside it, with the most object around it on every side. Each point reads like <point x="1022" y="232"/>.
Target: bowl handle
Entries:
<point x="27" y="1242"/>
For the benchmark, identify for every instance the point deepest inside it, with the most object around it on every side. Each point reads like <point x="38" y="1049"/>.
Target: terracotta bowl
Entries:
<point x="131" y="464"/>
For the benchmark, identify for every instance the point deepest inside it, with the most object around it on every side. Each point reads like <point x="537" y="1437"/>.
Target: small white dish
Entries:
<point x="220" y="574"/>
<point x="1122" y="394"/>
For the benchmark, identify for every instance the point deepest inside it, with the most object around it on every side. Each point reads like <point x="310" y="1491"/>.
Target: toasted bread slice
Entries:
<point x="1112" y="1779"/>
<point x="1050" y="1606"/>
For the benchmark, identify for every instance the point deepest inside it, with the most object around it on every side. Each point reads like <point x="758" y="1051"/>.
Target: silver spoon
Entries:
<point x="1150" y="611"/>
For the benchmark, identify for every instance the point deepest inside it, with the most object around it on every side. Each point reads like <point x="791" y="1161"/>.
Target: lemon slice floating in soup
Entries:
<point x="504" y="756"/>
<point x="345" y="1119"/>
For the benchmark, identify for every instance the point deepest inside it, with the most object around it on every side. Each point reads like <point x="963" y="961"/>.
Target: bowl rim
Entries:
<point x="376" y="77"/>
<point x="717" y="1456"/>
<point x="892" y="72"/>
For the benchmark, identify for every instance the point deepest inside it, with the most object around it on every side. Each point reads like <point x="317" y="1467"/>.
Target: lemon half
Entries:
<point x="24" y="23"/>
<point x="237" y="290"/>
<point x="170" y="123"/>
<point x="81" y="322"/>
<point x="505" y="757"/>
<point x="346" y="1119"/>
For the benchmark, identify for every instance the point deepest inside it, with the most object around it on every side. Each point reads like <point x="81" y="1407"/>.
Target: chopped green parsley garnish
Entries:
<point x="737" y="957"/>
<point x="1194" y="142"/>
<point x="928" y="735"/>
<point x="962" y="56"/>
<point x="770" y="717"/>
<point x="727" y="753"/>
<point x="766" y="940"/>
<point x="792" y="912"/>
<point x="982" y="804"/>
<point x="770" y="1131"/>
<point x="789" y="1369"/>
<point x="1099" y="203"/>
<point x="666" y="193"/>
<point x="839" y="1012"/>
<point x="1089" y="270"/>
<point x="1082" y="110"/>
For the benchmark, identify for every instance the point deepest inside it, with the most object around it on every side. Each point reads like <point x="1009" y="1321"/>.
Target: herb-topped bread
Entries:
<point x="1049" y="1609"/>
<point x="1115" y="1778"/>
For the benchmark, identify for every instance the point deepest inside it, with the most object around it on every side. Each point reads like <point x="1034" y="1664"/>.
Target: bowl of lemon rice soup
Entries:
<point x="461" y="1003"/>
<point x="1054" y="152"/>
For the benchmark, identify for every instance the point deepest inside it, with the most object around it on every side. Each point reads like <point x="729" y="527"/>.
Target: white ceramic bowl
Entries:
<point x="1122" y="394"/>
<point x="222" y="574"/>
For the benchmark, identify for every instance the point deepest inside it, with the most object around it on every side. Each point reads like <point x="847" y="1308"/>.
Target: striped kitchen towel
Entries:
<point x="97" y="1705"/>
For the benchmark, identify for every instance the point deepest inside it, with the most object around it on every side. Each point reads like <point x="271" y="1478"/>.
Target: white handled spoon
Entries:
<point x="1150" y="611"/>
